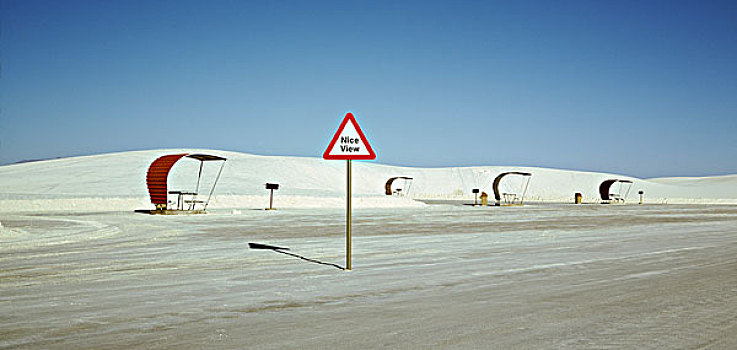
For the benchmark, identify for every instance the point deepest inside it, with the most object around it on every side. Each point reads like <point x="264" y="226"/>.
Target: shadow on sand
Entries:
<point x="283" y="250"/>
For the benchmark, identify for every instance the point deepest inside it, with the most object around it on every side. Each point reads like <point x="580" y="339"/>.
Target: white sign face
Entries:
<point x="349" y="142"/>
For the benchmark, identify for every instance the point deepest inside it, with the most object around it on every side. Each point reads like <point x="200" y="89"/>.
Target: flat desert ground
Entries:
<point x="440" y="276"/>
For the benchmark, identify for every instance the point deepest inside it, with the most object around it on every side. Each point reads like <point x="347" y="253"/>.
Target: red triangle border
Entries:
<point x="370" y="156"/>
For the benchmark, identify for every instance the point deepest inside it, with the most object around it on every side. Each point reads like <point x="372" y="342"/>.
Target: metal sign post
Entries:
<point x="271" y="187"/>
<point x="349" y="143"/>
<point x="348" y="219"/>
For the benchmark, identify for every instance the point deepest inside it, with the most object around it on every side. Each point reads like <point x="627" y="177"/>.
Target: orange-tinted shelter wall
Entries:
<point x="158" y="173"/>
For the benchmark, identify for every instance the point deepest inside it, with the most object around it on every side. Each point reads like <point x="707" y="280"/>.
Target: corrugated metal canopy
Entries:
<point x="606" y="185"/>
<point x="158" y="173"/>
<point x="388" y="186"/>
<point x="498" y="179"/>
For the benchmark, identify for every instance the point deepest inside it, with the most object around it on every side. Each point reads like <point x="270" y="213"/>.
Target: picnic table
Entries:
<point x="180" y="197"/>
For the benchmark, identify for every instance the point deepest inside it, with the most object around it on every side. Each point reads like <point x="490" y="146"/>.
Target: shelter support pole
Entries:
<point x="348" y="219"/>
<point x="213" y="185"/>
<point x="521" y="201"/>
<point x="199" y="176"/>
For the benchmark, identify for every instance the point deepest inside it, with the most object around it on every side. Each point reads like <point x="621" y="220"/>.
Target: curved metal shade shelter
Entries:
<point x="605" y="186"/>
<point x="499" y="178"/>
<point x="388" y="186"/>
<point x="158" y="174"/>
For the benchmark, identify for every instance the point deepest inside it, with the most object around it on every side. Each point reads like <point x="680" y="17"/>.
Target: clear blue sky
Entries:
<point x="644" y="88"/>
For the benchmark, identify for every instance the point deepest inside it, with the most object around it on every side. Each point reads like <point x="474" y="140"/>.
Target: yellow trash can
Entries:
<point x="484" y="199"/>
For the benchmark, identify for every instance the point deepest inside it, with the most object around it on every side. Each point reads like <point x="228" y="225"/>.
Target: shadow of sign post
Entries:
<point x="284" y="250"/>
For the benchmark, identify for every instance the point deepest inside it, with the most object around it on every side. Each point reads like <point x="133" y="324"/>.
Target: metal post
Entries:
<point x="199" y="175"/>
<point x="271" y="199"/>
<point x="521" y="200"/>
<point x="213" y="185"/>
<point x="348" y="220"/>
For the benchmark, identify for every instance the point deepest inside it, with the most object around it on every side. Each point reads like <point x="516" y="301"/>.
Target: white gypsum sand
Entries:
<point x="539" y="276"/>
<point x="116" y="181"/>
<point x="79" y="269"/>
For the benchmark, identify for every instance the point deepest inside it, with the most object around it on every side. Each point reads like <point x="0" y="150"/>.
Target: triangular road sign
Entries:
<point x="349" y="142"/>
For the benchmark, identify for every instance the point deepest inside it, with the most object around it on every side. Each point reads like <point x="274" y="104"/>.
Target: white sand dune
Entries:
<point x="116" y="181"/>
<point x="78" y="270"/>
